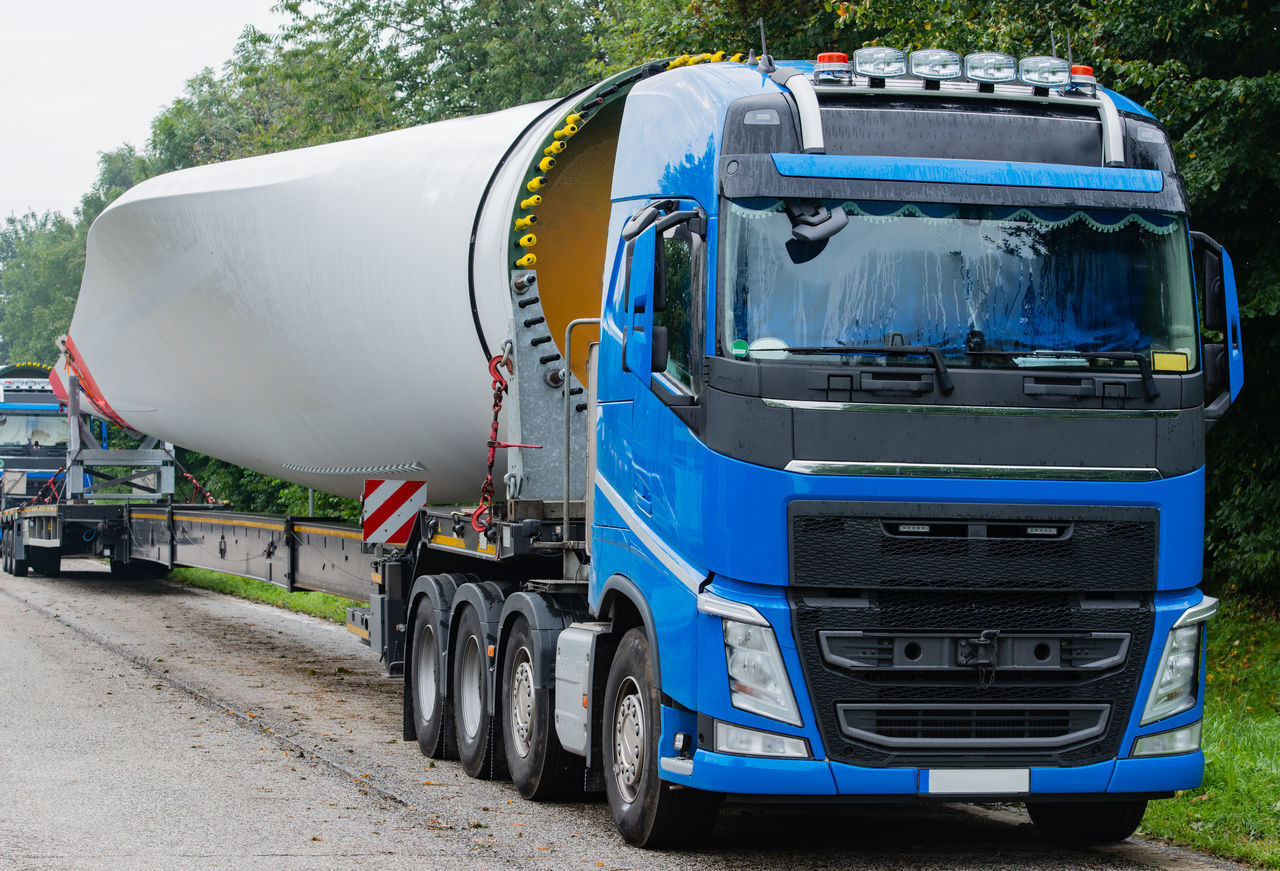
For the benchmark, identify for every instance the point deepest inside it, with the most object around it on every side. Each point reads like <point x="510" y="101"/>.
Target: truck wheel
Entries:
<point x="432" y="713"/>
<point x="540" y="768"/>
<point x="648" y="811"/>
<point x="472" y="720"/>
<point x="1085" y="822"/>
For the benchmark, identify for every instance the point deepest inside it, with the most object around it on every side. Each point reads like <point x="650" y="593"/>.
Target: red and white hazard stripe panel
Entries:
<point x="390" y="508"/>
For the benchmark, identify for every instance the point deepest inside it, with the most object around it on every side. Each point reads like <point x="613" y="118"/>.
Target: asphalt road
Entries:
<point x="144" y="724"/>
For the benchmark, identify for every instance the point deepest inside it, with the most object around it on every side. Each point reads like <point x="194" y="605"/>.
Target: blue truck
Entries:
<point x="883" y="477"/>
<point x="895" y="481"/>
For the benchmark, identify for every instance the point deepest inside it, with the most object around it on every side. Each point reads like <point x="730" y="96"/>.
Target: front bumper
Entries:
<point x="741" y="775"/>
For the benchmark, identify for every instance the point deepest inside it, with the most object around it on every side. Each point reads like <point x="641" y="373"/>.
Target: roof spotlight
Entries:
<point x="1044" y="72"/>
<point x="990" y="67"/>
<point x="935" y="64"/>
<point x="880" y="63"/>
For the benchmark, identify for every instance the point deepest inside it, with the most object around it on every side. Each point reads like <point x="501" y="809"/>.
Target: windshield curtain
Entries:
<point x="999" y="278"/>
<point x="33" y="430"/>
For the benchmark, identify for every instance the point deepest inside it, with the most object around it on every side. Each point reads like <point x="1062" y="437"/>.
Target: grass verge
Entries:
<point x="1236" y="813"/>
<point x="324" y="605"/>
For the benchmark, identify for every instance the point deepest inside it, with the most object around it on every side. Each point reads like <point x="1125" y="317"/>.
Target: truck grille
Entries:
<point x="981" y="726"/>
<point x="973" y="547"/>
<point x="971" y="678"/>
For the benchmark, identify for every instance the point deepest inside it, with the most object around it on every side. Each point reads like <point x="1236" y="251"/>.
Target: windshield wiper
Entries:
<point x="944" y="377"/>
<point x="1144" y="363"/>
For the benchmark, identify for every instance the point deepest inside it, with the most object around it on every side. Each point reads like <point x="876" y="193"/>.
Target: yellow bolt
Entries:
<point x="546" y="164"/>
<point x="573" y="119"/>
<point x="528" y="240"/>
<point x="718" y="57"/>
<point x="736" y="59"/>
<point x="678" y="62"/>
<point x="526" y="222"/>
<point x="566" y="131"/>
<point x="531" y="202"/>
<point x="555" y="148"/>
<point x="527" y="261"/>
<point x="535" y="183"/>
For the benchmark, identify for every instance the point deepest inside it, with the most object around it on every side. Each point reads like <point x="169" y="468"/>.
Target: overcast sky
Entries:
<point x="78" y="77"/>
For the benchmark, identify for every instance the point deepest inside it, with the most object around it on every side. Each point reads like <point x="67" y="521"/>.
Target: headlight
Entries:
<point x="1176" y="681"/>
<point x="757" y="677"/>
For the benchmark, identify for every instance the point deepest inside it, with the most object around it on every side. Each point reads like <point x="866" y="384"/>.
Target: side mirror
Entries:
<point x="661" y="347"/>
<point x="1222" y="362"/>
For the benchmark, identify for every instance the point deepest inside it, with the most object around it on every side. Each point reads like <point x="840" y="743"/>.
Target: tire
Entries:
<point x="473" y="722"/>
<point x="540" y="768"/>
<point x="432" y="713"/>
<point x="649" y="812"/>
<point x="1087" y="822"/>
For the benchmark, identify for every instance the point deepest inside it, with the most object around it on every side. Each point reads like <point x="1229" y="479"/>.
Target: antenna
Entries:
<point x="766" y="62"/>
<point x="1070" y="61"/>
<point x="1053" y="43"/>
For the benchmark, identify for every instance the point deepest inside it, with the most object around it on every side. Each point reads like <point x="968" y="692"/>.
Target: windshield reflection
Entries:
<point x="958" y="278"/>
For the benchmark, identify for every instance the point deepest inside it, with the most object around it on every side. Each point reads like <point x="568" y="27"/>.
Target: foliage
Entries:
<point x="1234" y="812"/>
<point x="41" y="258"/>
<point x="325" y="605"/>
<point x="271" y="96"/>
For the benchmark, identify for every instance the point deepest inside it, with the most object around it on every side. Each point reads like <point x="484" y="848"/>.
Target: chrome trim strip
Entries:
<point x="710" y="603"/>
<point x="676" y="765"/>
<point x="967" y="470"/>
<point x="1197" y="613"/>
<point x="995" y="411"/>
<point x="683" y="571"/>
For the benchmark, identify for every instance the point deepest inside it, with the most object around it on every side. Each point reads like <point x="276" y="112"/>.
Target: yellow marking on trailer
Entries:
<point x="357" y="630"/>
<point x="376" y="578"/>
<point x="337" y="533"/>
<point x="44" y="509"/>
<point x="149" y="516"/>
<point x="252" y="524"/>
<point x="490" y="549"/>
<point x="448" y="541"/>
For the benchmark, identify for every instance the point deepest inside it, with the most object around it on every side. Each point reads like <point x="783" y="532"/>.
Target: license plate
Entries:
<point x="978" y="781"/>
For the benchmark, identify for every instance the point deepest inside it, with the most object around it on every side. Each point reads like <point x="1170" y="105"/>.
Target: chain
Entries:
<point x="482" y="519"/>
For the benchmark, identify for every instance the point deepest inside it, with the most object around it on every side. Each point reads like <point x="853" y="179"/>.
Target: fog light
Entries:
<point x="1184" y="740"/>
<point x="750" y="742"/>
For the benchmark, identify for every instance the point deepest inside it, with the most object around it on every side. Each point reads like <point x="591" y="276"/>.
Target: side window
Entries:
<point x="680" y="267"/>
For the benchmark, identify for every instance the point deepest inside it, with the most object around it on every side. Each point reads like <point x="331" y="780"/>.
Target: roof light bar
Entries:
<point x="935" y="64"/>
<point x="878" y="62"/>
<point x="990" y="67"/>
<point x="1044" y="72"/>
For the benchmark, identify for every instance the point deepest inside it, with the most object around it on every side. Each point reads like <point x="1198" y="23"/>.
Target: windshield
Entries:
<point x="33" y="430"/>
<point x="961" y="279"/>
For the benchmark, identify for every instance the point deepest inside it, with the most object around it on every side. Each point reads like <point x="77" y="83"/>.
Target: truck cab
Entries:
<point x="33" y="432"/>
<point x="898" y="424"/>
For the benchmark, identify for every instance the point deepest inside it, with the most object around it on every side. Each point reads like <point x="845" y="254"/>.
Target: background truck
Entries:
<point x="854" y="424"/>
<point x="33" y="433"/>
